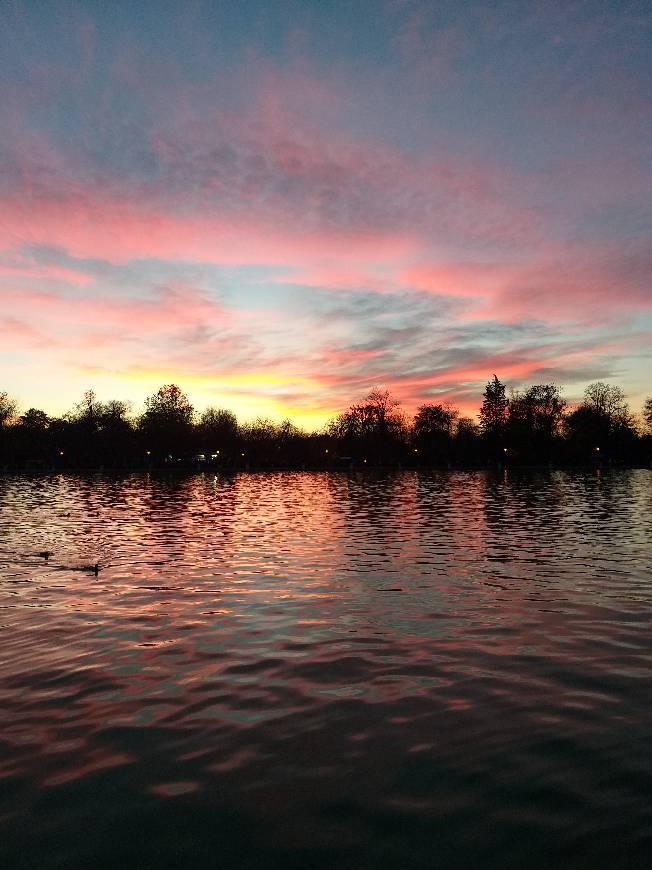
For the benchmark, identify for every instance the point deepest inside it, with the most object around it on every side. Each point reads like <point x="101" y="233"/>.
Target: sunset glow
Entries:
<point x="280" y="205"/>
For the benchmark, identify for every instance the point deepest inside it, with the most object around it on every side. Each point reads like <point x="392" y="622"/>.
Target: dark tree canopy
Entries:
<point x="371" y="429"/>
<point x="433" y="429"/>
<point x="219" y="423"/>
<point x="602" y="422"/>
<point x="167" y="420"/>
<point x="435" y="420"/>
<point x="169" y="405"/>
<point x="87" y="410"/>
<point x="537" y="412"/>
<point x="606" y="400"/>
<point x="532" y="427"/>
<point x="34" y="419"/>
<point x="493" y="413"/>
<point x="375" y="415"/>
<point x="114" y="411"/>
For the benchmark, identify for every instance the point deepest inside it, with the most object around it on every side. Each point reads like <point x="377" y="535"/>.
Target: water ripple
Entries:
<point x="329" y="670"/>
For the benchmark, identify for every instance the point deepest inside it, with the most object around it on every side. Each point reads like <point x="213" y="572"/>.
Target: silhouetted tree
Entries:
<point x="372" y="430"/>
<point x="607" y="400"/>
<point x="86" y="411"/>
<point x="81" y="431"/>
<point x="267" y="443"/>
<point x="647" y="414"/>
<point x="258" y="442"/>
<point x="466" y="442"/>
<point x="114" y="412"/>
<point x="467" y="428"/>
<point x="380" y="411"/>
<point x="374" y="415"/>
<point x="602" y="424"/>
<point x="219" y="434"/>
<point x="535" y="417"/>
<point x="166" y="424"/>
<point x="433" y="431"/>
<point x="291" y="443"/>
<point x="31" y="437"/>
<point x="34" y="420"/>
<point x="493" y="414"/>
<point x="8" y="408"/>
<point x="116" y="432"/>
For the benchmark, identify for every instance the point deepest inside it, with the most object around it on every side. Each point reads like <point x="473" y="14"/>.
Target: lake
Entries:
<point x="326" y="670"/>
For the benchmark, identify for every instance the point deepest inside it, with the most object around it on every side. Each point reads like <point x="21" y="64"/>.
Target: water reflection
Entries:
<point x="326" y="669"/>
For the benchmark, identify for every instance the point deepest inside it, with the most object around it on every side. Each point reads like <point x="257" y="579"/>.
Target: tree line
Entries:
<point x="533" y="426"/>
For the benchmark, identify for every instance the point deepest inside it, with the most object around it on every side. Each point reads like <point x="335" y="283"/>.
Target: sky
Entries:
<point x="280" y="205"/>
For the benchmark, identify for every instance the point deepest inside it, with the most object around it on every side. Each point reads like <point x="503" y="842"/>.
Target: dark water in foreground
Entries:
<point x="315" y="670"/>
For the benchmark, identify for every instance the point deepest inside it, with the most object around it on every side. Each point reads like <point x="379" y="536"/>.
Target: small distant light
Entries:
<point x="148" y="452"/>
<point x="217" y="452"/>
<point x="326" y="451"/>
<point x="364" y="460"/>
<point x="415" y="450"/>
<point x="242" y="454"/>
<point x="504" y="450"/>
<point x="61" y="453"/>
<point x="598" y="449"/>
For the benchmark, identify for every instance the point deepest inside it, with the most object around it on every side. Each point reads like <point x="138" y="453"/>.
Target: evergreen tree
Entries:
<point x="493" y="413"/>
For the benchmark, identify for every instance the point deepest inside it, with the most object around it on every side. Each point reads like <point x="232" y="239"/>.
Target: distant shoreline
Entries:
<point x="192" y="470"/>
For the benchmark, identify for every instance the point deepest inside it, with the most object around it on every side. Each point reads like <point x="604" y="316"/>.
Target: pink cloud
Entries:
<point x="454" y="378"/>
<point x="171" y="309"/>
<point x="347" y="357"/>
<point x="587" y="284"/>
<point x="17" y="335"/>
<point x="47" y="273"/>
<point x="457" y="279"/>
<point x="121" y="230"/>
<point x="263" y="185"/>
<point x="335" y="277"/>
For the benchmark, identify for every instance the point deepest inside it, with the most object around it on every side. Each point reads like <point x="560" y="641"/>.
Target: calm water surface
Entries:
<point x="326" y="670"/>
